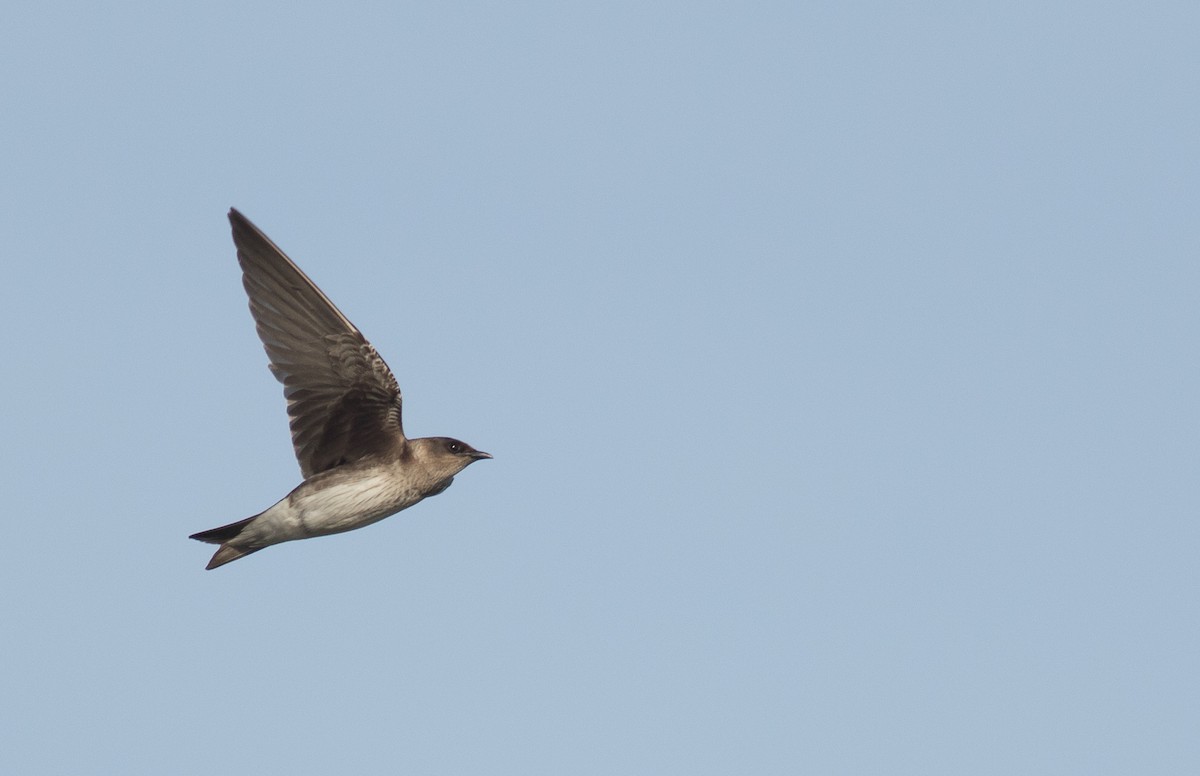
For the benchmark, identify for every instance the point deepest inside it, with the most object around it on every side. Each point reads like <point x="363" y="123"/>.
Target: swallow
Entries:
<point x="344" y="407"/>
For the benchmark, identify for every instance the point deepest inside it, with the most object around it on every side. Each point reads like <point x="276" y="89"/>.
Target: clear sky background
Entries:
<point x="839" y="362"/>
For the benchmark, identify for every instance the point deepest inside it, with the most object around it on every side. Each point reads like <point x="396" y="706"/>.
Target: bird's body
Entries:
<point x="345" y="409"/>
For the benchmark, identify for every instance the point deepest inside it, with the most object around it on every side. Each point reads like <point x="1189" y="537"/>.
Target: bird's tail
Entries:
<point x="223" y="536"/>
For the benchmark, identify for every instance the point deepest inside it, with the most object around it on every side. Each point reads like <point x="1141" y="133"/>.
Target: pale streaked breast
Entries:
<point x="352" y="500"/>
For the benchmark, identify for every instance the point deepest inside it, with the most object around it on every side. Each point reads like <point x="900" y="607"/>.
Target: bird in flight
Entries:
<point x="344" y="405"/>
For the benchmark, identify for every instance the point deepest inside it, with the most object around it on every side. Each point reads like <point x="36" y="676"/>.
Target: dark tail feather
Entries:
<point x="227" y="554"/>
<point x="222" y="536"/>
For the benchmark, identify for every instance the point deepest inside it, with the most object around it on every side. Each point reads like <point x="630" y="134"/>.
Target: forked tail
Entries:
<point x="223" y="536"/>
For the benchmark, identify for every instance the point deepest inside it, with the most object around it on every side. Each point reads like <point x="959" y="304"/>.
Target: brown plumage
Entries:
<point x="344" y="406"/>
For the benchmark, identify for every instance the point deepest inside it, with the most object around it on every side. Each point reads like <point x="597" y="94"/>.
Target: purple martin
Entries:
<point x="344" y="405"/>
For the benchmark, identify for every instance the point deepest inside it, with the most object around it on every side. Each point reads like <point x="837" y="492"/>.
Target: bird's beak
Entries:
<point x="479" y="455"/>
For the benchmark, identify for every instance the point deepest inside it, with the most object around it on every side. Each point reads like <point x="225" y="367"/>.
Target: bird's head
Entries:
<point x="444" y="456"/>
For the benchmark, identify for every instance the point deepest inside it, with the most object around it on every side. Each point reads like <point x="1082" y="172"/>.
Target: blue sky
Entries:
<point x="838" y="361"/>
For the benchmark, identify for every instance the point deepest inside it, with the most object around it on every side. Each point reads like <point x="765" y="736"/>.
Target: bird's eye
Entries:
<point x="454" y="447"/>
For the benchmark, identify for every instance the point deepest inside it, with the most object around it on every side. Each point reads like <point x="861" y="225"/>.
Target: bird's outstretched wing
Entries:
<point x="343" y="401"/>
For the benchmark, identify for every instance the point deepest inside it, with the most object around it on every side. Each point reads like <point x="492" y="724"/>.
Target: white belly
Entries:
<point x="327" y="505"/>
